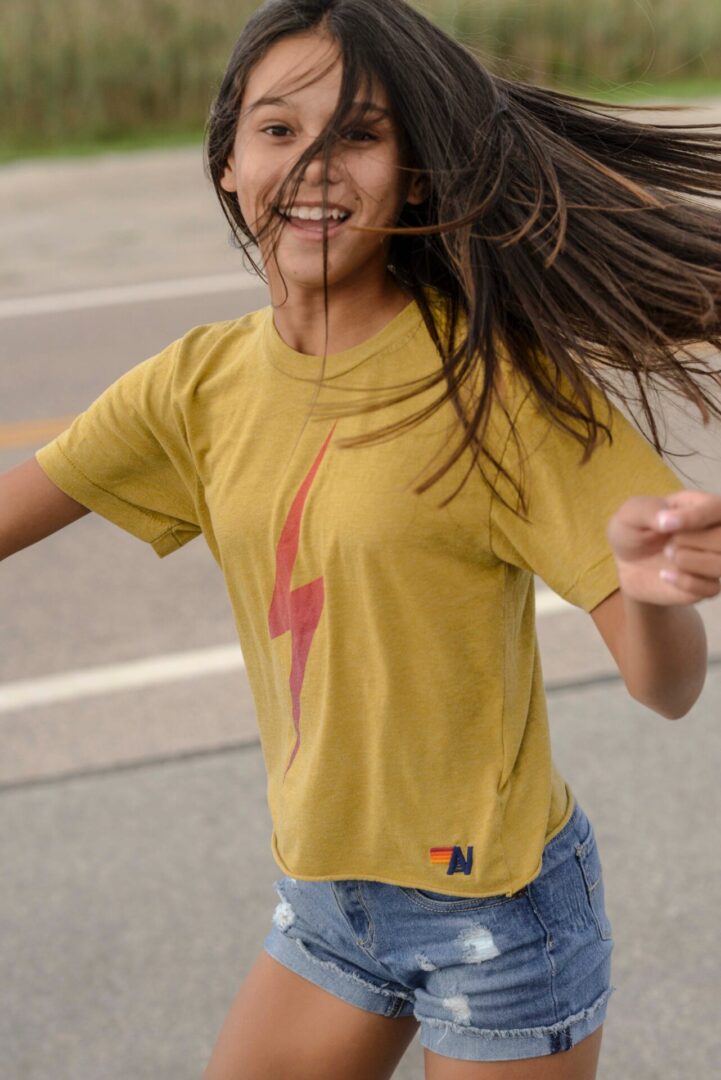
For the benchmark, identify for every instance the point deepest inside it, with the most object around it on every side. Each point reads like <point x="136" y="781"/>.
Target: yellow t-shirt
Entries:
<point x="390" y="644"/>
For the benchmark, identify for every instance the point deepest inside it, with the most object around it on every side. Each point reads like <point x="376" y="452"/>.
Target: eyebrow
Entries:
<point x="365" y="106"/>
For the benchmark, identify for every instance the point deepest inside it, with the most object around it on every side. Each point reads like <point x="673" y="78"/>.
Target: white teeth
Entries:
<point x="314" y="213"/>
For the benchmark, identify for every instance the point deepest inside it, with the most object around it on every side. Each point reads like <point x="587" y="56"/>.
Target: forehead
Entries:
<point x="305" y="70"/>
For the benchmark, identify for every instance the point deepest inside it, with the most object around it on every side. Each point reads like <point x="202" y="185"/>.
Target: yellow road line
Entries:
<point x="32" y="432"/>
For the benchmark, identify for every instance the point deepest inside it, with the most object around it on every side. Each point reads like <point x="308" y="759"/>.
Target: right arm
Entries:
<point x="32" y="507"/>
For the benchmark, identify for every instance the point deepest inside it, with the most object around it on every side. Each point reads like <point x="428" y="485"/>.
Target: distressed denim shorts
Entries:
<point x="495" y="978"/>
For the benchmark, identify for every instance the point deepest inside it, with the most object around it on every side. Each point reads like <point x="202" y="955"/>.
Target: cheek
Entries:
<point x="258" y="184"/>
<point x="381" y="179"/>
<point x="251" y="184"/>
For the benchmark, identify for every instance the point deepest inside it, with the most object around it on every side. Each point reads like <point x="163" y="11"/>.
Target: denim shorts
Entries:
<point x="495" y="978"/>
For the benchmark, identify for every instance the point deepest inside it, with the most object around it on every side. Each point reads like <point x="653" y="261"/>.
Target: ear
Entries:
<point x="228" y="180"/>
<point x="419" y="188"/>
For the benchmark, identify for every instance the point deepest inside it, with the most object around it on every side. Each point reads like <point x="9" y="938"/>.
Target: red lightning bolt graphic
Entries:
<point x="298" y="610"/>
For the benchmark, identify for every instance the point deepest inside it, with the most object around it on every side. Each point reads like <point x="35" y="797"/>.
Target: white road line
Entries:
<point x="111" y="678"/>
<point x="127" y="294"/>
<point x="172" y="667"/>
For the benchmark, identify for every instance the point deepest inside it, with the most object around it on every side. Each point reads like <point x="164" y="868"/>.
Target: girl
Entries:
<point x="462" y="271"/>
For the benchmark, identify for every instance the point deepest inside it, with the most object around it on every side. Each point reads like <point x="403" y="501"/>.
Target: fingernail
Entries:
<point x="669" y="551"/>
<point x="667" y="521"/>
<point x="668" y="575"/>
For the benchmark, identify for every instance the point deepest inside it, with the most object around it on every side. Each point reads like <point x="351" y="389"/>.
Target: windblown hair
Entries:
<point x="575" y="242"/>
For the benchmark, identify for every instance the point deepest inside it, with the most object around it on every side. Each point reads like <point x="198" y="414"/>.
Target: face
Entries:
<point x="364" y="176"/>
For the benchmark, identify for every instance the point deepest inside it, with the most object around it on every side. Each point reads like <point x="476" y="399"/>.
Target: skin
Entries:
<point x="364" y="176"/>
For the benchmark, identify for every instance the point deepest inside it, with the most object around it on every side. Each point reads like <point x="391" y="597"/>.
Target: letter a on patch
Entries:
<point x="460" y="864"/>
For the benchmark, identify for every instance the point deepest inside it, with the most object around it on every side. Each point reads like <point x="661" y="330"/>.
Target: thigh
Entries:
<point x="283" y="1026"/>
<point x="578" y="1063"/>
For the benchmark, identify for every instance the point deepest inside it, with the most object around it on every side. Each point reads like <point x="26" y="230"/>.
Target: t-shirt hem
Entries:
<point x="595" y="585"/>
<point x="348" y="875"/>
<point x="510" y="889"/>
<point x="65" y="474"/>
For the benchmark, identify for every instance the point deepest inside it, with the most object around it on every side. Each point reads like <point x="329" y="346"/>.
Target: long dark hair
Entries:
<point x="568" y="239"/>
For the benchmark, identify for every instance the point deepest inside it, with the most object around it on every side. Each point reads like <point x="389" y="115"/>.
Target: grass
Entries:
<point x="690" y="91"/>
<point x="681" y="90"/>
<point x="144" y="139"/>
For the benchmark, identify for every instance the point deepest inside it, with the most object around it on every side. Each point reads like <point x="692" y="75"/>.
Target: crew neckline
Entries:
<point x="392" y="336"/>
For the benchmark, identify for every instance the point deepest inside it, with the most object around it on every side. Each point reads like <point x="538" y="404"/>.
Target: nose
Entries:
<point x="313" y="172"/>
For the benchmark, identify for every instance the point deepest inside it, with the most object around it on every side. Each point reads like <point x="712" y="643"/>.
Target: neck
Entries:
<point x="355" y="314"/>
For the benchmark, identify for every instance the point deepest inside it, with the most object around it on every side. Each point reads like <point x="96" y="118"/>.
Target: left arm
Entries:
<point x="668" y="555"/>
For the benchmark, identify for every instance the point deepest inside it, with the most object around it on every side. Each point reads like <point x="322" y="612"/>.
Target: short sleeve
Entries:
<point x="570" y="502"/>
<point x="126" y="457"/>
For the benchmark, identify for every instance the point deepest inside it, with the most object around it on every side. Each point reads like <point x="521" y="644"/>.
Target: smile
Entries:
<point x="313" y="230"/>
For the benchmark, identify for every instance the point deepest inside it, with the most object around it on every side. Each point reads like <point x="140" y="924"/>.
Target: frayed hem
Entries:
<point x="330" y="966"/>
<point x="519" y="1033"/>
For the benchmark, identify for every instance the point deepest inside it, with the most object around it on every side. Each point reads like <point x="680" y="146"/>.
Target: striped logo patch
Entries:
<point x="453" y="858"/>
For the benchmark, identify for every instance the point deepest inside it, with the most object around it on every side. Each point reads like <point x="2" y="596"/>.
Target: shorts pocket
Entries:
<point x="589" y="861"/>
<point x="436" y="901"/>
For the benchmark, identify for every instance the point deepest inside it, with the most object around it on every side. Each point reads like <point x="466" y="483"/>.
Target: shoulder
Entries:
<point x="545" y="405"/>
<point x="229" y="336"/>
<point x="206" y="348"/>
<point x="568" y="434"/>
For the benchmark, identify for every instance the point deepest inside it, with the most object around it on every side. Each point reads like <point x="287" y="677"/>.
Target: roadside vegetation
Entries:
<point x="85" y="75"/>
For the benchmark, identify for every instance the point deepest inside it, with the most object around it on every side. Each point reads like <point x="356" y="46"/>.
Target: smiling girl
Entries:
<point x="462" y="272"/>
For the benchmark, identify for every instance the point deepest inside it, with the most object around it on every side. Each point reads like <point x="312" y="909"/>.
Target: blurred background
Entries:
<point x="134" y="834"/>
<point x="79" y="74"/>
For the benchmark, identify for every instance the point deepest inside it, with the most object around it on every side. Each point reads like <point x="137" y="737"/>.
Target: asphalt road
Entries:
<point x="134" y="836"/>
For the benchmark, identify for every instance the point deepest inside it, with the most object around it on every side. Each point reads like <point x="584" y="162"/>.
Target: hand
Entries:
<point x="668" y="551"/>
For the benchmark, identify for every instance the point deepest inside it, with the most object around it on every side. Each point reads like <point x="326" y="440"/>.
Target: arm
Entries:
<point x="668" y="554"/>
<point x="32" y="507"/>
<point x="660" y="651"/>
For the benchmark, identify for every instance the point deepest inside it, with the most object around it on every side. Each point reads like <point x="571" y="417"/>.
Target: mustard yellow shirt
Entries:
<point x="390" y="644"/>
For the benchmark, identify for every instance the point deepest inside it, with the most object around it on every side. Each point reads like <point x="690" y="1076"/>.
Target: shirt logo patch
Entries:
<point x="297" y="610"/>
<point x="457" y="862"/>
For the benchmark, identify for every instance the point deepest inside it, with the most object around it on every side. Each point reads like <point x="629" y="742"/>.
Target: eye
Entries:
<point x="360" y="131"/>
<point x="354" y="134"/>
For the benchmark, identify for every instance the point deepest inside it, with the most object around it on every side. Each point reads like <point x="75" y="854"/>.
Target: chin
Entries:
<point x="304" y="278"/>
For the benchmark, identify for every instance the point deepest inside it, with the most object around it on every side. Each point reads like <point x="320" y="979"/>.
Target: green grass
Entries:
<point x="132" y="140"/>
<point x="686" y="91"/>
<point x="690" y="92"/>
